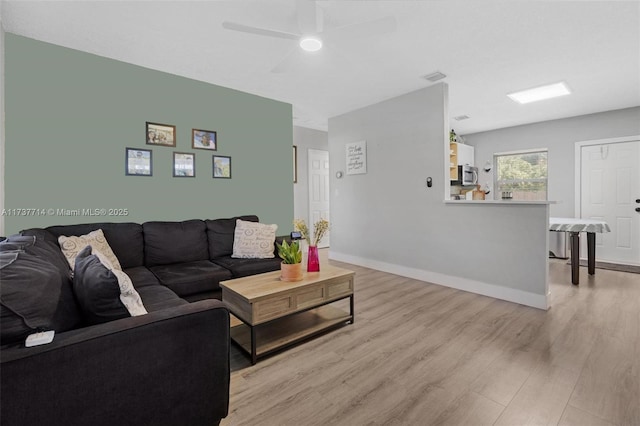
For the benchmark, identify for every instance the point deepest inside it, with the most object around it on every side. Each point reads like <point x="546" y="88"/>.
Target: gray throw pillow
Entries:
<point x="100" y="293"/>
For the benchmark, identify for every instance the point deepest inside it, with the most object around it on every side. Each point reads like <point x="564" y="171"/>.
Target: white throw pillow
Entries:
<point x="253" y="240"/>
<point x="71" y="246"/>
<point x="128" y="294"/>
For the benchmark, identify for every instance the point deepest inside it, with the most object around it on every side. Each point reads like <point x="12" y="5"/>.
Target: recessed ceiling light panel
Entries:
<point x="310" y="44"/>
<point x="540" y="93"/>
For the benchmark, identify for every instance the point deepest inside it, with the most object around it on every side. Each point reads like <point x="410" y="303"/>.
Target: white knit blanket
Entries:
<point x="570" y="224"/>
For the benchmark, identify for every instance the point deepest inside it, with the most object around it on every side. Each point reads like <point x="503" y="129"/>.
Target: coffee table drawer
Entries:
<point x="273" y="307"/>
<point x="339" y="288"/>
<point x="310" y="296"/>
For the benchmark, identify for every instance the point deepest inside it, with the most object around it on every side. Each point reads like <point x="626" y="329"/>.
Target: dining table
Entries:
<point x="574" y="226"/>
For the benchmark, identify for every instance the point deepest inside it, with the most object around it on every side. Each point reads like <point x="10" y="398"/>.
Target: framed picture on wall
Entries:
<point x="221" y="167"/>
<point x="184" y="164"/>
<point x="295" y="164"/>
<point x="138" y="162"/>
<point x="204" y="139"/>
<point x="160" y="134"/>
<point x="356" y="160"/>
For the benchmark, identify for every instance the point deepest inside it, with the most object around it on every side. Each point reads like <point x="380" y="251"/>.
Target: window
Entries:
<point x="523" y="173"/>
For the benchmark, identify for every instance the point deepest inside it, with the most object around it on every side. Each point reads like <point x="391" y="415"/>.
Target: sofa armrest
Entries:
<point x="279" y="240"/>
<point x="169" y="367"/>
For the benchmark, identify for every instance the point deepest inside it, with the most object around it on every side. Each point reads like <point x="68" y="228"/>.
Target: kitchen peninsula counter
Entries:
<point x="500" y="202"/>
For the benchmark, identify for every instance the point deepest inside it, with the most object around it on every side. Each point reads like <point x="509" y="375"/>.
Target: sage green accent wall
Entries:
<point x="2" y="126"/>
<point x="70" y="115"/>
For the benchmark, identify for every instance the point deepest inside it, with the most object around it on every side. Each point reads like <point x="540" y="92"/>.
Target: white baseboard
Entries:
<point x="498" y="292"/>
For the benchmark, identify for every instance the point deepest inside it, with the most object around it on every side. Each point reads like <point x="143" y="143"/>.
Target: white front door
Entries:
<point x="610" y="191"/>
<point x="318" y="190"/>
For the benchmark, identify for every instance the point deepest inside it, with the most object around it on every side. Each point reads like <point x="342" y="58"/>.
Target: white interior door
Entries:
<point x="610" y="188"/>
<point x="319" y="190"/>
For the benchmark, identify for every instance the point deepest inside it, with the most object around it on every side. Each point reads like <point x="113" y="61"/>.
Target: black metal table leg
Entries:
<point x="591" y="252"/>
<point x="351" y="310"/>
<point x="254" y="356"/>
<point x="575" y="257"/>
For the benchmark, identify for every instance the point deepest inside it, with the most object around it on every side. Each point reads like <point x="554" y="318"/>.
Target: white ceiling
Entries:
<point x="486" y="48"/>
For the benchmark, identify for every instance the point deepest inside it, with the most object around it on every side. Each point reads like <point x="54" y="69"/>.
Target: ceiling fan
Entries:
<point x="312" y="37"/>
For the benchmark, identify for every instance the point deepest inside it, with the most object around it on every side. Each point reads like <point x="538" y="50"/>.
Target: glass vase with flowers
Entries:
<point x="320" y="228"/>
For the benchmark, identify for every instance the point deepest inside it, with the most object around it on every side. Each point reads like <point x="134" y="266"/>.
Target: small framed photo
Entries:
<point x="160" y="134"/>
<point x="184" y="164"/>
<point x="138" y="162"/>
<point x="204" y="139"/>
<point x="221" y="167"/>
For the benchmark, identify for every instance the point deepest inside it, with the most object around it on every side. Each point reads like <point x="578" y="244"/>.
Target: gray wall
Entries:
<point x="389" y="220"/>
<point x="559" y="136"/>
<point x="305" y="139"/>
<point x="70" y="115"/>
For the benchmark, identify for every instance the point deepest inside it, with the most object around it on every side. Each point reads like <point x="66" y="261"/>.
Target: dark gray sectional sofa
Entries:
<point x="168" y="367"/>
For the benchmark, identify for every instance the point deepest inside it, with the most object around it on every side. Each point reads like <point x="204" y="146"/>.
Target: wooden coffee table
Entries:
<point x="274" y="314"/>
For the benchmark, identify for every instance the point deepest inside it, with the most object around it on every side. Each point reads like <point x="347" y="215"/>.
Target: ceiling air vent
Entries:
<point x="461" y="117"/>
<point x="433" y="77"/>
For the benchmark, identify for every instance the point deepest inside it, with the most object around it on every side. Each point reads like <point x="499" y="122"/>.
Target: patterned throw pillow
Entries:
<point x="71" y="246"/>
<point x="253" y="240"/>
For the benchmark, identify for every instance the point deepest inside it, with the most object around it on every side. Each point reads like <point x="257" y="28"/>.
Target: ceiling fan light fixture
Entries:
<point x="310" y="44"/>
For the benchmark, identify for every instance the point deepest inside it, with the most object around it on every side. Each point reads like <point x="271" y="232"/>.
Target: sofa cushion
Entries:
<point x="141" y="276"/>
<point x="217" y="294"/>
<point x="72" y="245"/>
<point x="35" y="293"/>
<point x="192" y="277"/>
<point x="244" y="267"/>
<point x="104" y="293"/>
<point x="253" y="240"/>
<point x="125" y="239"/>
<point x="158" y="297"/>
<point x="166" y="243"/>
<point x="221" y="233"/>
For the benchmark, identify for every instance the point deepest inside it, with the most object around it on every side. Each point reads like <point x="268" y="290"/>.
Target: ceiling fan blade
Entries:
<point x="362" y="29"/>
<point x="259" y="31"/>
<point x="307" y="14"/>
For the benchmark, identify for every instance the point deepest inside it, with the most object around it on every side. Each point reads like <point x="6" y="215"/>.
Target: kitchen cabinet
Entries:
<point x="459" y="155"/>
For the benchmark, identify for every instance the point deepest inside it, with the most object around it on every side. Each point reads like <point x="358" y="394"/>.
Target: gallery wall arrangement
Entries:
<point x="139" y="162"/>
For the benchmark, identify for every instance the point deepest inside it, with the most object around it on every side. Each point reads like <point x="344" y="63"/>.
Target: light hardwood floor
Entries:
<point x="422" y="354"/>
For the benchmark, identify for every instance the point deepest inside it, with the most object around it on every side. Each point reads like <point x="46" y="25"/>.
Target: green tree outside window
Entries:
<point x="525" y="175"/>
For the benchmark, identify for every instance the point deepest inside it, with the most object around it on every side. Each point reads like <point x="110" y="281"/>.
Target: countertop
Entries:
<point x="500" y="202"/>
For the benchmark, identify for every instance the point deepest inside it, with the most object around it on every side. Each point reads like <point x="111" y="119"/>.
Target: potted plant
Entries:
<point x="291" y="266"/>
